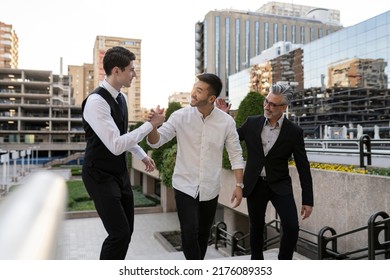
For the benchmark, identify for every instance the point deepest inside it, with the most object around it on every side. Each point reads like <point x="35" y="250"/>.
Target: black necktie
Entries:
<point x="121" y="103"/>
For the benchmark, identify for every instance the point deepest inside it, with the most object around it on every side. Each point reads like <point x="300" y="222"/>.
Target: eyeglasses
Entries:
<point x="271" y="104"/>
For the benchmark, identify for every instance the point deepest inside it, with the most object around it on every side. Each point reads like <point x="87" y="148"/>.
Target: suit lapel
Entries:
<point x="282" y="135"/>
<point x="259" y="127"/>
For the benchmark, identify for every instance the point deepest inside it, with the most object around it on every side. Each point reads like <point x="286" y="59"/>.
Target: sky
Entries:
<point x="49" y="30"/>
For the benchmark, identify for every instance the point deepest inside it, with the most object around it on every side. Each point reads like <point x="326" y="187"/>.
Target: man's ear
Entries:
<point x="212" y="98"/>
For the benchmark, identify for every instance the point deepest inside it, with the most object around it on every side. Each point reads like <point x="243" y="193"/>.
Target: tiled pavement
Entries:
<point x="81" y="239"/>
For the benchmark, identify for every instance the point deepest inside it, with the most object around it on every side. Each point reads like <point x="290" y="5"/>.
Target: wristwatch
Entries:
<point x="241" y="185"/>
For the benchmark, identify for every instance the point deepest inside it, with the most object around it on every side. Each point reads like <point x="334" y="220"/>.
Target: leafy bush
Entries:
<point x="158" y="154"/>
<point x="169" y="160"/>
<point x="251" y="105"/>
<point x="379" y="171"/>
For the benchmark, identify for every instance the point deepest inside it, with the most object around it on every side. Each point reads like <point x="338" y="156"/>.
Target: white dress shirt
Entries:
<point x="97" y="113"/>
<point x="200" y="144"/>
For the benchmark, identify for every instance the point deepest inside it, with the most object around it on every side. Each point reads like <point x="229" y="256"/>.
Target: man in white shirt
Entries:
<point x="202" y="131"/>
<point x="105" y="174"/>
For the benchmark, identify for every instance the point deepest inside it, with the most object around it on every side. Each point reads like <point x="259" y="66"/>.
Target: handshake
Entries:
<point x="156" y="116"/>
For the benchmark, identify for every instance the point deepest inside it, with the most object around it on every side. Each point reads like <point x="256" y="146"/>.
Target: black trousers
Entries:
<point x="196" y="218"/>
<point x="285" y="207"/>
<point x="114" y="202"/>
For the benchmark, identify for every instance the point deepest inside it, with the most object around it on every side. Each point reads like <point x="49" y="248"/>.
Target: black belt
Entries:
<point x="263" y="178"/>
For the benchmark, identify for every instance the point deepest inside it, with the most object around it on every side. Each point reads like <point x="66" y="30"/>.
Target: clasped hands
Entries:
<point x="156" y="116"/>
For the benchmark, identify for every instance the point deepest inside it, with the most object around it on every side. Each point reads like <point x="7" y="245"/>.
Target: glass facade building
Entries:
<point x="343" y="79"/>
<point x="369" y="39"/>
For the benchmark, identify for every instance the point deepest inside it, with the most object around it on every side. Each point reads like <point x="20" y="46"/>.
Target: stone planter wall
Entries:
<point x="167" y="198"/>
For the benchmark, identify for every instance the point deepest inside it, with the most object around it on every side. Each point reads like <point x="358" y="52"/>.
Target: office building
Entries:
<point x="343" y="79"/>
<point x="8" y="46"/>
<point x="226" y="40"/>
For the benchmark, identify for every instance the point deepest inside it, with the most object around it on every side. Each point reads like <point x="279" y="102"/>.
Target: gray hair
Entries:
<point x="283" y="90"/>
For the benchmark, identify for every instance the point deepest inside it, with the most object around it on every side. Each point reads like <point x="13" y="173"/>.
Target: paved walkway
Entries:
<point x="81" y="239"/>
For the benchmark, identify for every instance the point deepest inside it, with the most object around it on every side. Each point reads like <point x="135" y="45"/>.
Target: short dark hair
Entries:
<point x="117" y="57"/>
<point x="213" y="81"/>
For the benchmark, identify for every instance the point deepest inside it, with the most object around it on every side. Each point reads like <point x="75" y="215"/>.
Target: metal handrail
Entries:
<point x="379" y="147"/>
<point x="373" y="248"/>
<point x="30" y="218"/>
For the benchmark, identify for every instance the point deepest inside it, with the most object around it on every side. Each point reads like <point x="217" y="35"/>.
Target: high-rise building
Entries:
<point x="184" y="98"/>
<point x="9" y="44"/>
<point x="82" y="81"/>
<point x="102" y="44"/>
<point x="226" y="40"/>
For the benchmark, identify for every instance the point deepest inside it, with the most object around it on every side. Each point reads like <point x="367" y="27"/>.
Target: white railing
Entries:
<point x="30" y="218"/>
<point x="346" y="146"/>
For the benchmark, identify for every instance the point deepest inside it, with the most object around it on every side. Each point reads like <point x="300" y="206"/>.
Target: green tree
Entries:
<point x="251" y="105"/>
<point x="158" y="154"/>
<point x="172" y="107"/>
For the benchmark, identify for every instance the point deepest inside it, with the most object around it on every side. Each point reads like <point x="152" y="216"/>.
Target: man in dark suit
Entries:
<point x="271" y="140"/>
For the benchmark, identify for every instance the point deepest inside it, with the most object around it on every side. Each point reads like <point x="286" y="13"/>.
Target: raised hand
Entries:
<point x="221" y="104"/>
<point x="156" y="116"/>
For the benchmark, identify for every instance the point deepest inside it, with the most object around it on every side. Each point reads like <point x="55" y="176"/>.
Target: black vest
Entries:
<point x="96" y="153"/>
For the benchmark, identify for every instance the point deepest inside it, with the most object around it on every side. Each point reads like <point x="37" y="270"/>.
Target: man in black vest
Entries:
<point x="105" y="173"/>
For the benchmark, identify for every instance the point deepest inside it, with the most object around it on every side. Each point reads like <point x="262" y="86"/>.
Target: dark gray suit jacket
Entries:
<point x="289" y="143"/>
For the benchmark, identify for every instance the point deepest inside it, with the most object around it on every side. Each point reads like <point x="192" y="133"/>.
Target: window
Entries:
<point x="237" y="62"/>
<point x="217" y="46"/>
<point x="257" y="38"/>
<point x="266" y="35"/>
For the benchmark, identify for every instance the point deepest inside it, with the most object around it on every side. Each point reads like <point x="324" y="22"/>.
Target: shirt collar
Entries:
<point x="201" y="115"/>
<point x="278" y="123"/>
<point x="110" y="88"/>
